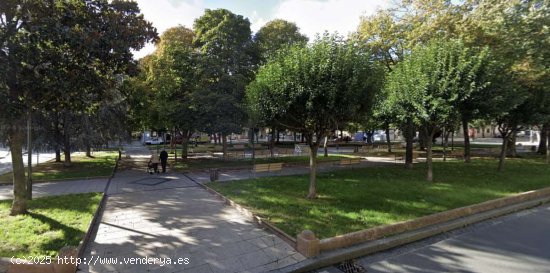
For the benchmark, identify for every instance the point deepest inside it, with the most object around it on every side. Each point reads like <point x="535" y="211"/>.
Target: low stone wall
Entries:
<point x="306" y="239"/>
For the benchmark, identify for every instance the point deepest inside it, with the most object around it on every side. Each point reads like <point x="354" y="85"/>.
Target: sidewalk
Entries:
<point x="202" y="176"/>
<point x="171" y="216"/>
<point x="58" y="188"/>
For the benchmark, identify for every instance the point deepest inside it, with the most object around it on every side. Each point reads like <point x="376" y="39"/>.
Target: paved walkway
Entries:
<point x="58" y="188"/>
<point x="170" y="216"/>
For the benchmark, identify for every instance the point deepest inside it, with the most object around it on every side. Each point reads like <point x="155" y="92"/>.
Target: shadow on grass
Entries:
<point x="351" y="200"/>
<point x="52" y="222"/>
<point x="71" y="236"/>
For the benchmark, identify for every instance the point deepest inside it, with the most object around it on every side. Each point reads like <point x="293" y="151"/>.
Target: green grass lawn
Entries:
<point x="52" y="222"/>
<point x="101" y="165"/>
<point x="207" y="163"/>
<point x="351" y="200"/>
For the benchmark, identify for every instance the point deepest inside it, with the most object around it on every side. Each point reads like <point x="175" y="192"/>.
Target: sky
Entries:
<point x="311" y="16"/>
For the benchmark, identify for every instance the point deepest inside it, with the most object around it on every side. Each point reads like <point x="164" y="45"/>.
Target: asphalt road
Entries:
<point x="515" y="243"/>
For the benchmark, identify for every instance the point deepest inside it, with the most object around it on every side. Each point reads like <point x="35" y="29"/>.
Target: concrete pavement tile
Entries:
<point x="226" y="266"/>
<point x="254" y="259"/>
<point x="205" y="268"/>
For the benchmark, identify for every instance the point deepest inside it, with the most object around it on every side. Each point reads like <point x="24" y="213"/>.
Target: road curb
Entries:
<point x="340" y="255"/>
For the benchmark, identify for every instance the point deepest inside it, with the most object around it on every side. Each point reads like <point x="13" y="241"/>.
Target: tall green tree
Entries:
<point x="173" y="79"/>
<point x="229" y="58"/>
<point x="312" y="89"/>
<point x="428" y="84"/>
<point x="276" y="35"/>
<point x="60" y="54"/>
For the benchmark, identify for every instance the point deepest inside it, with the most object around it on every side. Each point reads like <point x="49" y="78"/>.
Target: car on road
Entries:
<point x="154" y="141"/>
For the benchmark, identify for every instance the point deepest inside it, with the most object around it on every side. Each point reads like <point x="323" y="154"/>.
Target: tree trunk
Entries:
<point x="272" y="143"/>
<point x="88" y="150"/>
<point x="15" y="138"/>
<point x="250" y="136"/>
<point x="548" y="146"/>
<point x="429" y="158"/>
<point x="423" y="140"/>
<point x="388" y="138"/>
<point x="67" y="150"/>
<point x="224" y="145"/>
<point x="253" y="148"/>
<point x="313" y="148"/>
<point x="173" y="140"/>
<point x="326" y="147"/>
<point x="444" y="138"/>
<point x="277" y="133"/>
<point x="87" y="134"/>
<point x="184" y="146"/>
<point x="409" y="135"/>
<point x="467" y="157"/>
<point x="503" y="153"/>
<point x="542" y="141"/>
<point x="511" y="147"/>
<point x="57" y="135"/>
<point x="29" y="158"/>
<point x="57" y="154"/>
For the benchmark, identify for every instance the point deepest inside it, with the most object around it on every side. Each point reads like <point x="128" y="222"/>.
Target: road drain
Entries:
<point x="351" y="266"/>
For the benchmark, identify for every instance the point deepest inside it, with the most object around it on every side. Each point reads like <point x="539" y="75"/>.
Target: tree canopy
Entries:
<point x="313" y="89"/>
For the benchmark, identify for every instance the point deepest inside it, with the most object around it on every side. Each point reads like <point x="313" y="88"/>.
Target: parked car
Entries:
<point x="154" y="141"/>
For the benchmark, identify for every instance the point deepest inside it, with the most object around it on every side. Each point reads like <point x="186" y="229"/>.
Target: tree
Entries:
<point x="229" y="58"/>
<point x="276" y="35"/>
<point x="427" y="85"/>
<point x="60" y="53"/>
<point x="173" y="77"/>
<point x="273" y="37"/>
<point x="312" y="89"/>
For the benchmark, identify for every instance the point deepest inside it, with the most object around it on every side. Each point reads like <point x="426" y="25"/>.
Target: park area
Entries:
<point x="52" y="223"/>
<point x="99" y="165"/>
<point x="355" y="199"/>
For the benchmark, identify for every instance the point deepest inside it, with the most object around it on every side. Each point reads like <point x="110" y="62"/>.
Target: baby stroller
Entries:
<point x="151" y="167"/>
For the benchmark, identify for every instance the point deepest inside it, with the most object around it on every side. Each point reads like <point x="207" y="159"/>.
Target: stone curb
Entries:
<point x="358" y="250"/>
<point x="256" y="219"/>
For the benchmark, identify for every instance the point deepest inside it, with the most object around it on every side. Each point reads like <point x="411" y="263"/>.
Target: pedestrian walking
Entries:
<point x="163" y="159"/>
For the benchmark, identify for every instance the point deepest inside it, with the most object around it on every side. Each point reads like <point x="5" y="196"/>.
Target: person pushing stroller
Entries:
<point x="153" y="165"/>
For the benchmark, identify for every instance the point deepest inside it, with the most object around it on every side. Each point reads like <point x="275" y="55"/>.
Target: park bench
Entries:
<point x="299" y="149"/>
<point x="270" y="167"/>
<point x="349" y="161"/>
<point x="235" y="154"/>
<point x="401" y="156"/>
<point x="365" y="149"/>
